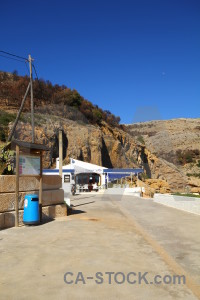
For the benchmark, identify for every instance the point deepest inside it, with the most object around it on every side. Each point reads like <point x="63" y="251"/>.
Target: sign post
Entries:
<point x="40" y="188"/>
<point x="17" y="188"/>
<point x="28" y="163"/>
<point x="60" y="153"/>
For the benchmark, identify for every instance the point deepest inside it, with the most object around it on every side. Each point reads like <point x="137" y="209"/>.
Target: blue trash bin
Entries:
<point x="31" y="210"/>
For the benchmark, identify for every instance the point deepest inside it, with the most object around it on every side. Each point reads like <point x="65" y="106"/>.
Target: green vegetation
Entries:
<point x="186" y="195"/>
<point x="144" y="176"/>
<point x="133" y="160"/>
<point x="188" y="156"/>
<point x="5" y="119"/>
<point x="198" y="163"/>
<point x="6" y="161"/>
<point x="193" y="175"/>
<point x="2" y="135"/>
<point x="141" y="139"/>
<point x="13" y="87"/>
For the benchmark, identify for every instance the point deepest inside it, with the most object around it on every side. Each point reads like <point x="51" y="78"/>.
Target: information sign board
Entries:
<point x="29" y="165"/>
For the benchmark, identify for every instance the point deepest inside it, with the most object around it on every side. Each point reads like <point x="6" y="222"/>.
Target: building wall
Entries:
<point x="69" y="172"/>
<point x="52" y="197"/>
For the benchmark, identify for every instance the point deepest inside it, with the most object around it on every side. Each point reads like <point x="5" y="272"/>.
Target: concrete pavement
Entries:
<point x="189" y="204"/>
<point x="106" y="234"/>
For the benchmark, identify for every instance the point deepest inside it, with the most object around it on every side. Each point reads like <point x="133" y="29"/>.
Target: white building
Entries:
<point x="84" y="172"/>
<point x="88" y="176"/>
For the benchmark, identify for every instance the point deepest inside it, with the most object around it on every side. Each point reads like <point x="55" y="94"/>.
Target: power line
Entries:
<point x="27" y="67"/>
<point x="13" y="55"/>
<point x="35" y="71"/>
<point x="16" y="60"/>
<point x="22" y="59"/>
<point x="11" y="58"/>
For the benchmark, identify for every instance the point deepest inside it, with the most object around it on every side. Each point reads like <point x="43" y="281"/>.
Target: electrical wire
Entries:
<point x="35" y="71"/>
<point x="13" y="55"/>
<point x="11" y="58"/>
<point x="27" y="67"/>
<point x="16" y="60"/>
<point x="20" y="59"/>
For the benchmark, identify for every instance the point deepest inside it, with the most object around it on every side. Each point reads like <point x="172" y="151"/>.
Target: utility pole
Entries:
<point x="17" y="188"/>
<point x="18" y="114"/>
<point x="30" y="87"/>
<point x="60" y="152"/>
<point x="32" y="103"/>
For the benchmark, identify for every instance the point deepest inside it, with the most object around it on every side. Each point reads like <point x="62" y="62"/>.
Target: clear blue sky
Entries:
<point x="140" y="58"/>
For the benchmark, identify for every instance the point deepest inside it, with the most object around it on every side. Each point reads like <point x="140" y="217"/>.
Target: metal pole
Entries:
<point x="60" y="152"/>
<point x="40" y="188"/>
<point x="32" y="104"/>
<point x="17" y="188"/>
<point x="19" y="113"/>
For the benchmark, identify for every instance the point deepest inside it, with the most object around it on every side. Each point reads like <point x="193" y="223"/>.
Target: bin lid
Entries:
<point x="31" y="196"/>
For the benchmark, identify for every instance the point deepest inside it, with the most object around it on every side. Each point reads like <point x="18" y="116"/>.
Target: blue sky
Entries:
<point x="139" y="59"/>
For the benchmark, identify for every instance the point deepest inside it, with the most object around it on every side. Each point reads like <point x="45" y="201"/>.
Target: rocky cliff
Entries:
<point x="173" y="150"/>
<point x="165" y="138"/>
<point x="167" y="150"/>
<point x="103" y="145"/>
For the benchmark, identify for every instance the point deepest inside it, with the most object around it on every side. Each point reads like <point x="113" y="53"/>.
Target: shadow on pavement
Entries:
<point x="81" y="197"/>
<point x="75" y="212"/>
<point x="82" y="204"/>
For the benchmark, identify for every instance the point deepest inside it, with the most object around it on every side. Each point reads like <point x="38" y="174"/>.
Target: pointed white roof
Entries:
<point x="81" y="166"/>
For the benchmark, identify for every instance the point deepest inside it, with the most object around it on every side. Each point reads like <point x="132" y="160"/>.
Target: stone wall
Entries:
<point x="52" y="197"/>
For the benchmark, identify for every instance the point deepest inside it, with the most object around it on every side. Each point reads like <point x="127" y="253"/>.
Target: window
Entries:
<point x="66" y="178"/>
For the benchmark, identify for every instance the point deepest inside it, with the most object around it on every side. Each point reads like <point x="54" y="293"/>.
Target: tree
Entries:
<point x="97" y="116"/>
<point x="15" y="75"/>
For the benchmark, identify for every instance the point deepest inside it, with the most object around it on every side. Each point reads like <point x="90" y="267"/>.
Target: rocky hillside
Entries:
<point x="167" y="150"/>
<point x="103" y="145"/>
<point x="175" y="142"/>
<point x="167" y="139"/>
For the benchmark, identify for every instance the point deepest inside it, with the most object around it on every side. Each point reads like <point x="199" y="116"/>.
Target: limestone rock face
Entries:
<point x="110" y="146"/>
<point x="194" y="182"/>
<point x="163" y="142"/>
<point x="159" y="186"/>
<point x="161" y="169"/>
<point x="195" y="190"/>
<point x="105" y="146"/>
<point x="164" y="137"/>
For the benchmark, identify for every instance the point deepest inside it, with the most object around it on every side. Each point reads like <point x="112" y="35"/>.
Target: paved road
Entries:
<point x="105" y="234"/>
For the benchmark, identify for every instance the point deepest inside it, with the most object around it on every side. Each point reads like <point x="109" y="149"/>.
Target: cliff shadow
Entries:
<point x="55" y="147"/>
<point x="146" y="163"/>
<point x="80" y="157"/>
<point x="106" y="161"/>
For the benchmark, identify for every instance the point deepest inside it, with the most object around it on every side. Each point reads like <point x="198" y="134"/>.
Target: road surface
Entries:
<point x="111" y="247"/>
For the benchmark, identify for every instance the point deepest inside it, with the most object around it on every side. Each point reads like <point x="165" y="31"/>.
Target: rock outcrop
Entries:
<point x="158" y="185"/>
<point x="167" y="150"/>
<point x="162" y="169"/>
<point x="103" y="145"/>
<point x="150" y="145"/>
<point x="173" y="150"/>
<point x="163" y="138"/>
